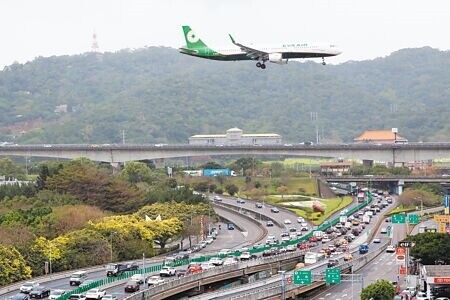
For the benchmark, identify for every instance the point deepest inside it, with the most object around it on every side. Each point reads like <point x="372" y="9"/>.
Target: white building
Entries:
<point x="235" y="136"/>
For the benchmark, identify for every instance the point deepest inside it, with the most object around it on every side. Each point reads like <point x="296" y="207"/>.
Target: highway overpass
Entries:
<point x="115" y="154"/>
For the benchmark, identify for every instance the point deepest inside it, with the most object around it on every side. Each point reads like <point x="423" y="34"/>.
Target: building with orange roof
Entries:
<point x="381" y="137"/>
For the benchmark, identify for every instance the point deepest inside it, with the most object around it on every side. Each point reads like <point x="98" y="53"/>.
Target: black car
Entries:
<point x="40" y="292"/>
<point x="19" y="296"/>
<point x="131" y="287"/>
<point x="181" y="273"/>
<point x="332" y="263"/>
<point x="133" y="266"/>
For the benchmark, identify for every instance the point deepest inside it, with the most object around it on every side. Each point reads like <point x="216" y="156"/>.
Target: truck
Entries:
<point x="119" y="269"/>
<point x="343" y="219"/>
<point x="361" y="197"/>
<point x="366" y="219"/>
<point x="363" y="249"/>
<point x="312" y="258"/>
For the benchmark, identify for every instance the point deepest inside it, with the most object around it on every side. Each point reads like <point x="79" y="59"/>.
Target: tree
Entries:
<point x="417" y="197"/>
<point x="12" y="265"/>
<point x="171" y="183"/>
<point x="231" y="189"/>
<point x="431" y="247"/>
<point x="135" y="172"/>
<point x="282" y="190"/>
<point x="212" y="165"/>
<point x="380" y="290"/>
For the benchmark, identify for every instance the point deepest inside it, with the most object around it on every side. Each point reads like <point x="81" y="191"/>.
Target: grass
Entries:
<point x="401" y="209"/>
<point x="332" y="206"/>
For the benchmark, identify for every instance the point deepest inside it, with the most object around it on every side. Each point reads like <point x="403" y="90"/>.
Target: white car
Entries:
<point x="209" y="241"/>
<point x="28" y="286"/>
<point x="411" y="291"/>
<point x="155" y="280"/>
<point x="167" y="271"/>
<point x="55" y="294"/>
<point x="390" y="249"/>
<point x="285" y="239"/>
<point x="377" y="240"/>
<point x="422" y="296"/>
<point x="245" y="256"/>
<point x="217" y="198"/>
<point x="291" y="248"/>
<point x="287" y="221"/>
<point x="325" y="239"/>
<point x="95" y="294"/>
<point x="225" y="252"/>
<point x="216" y="261"/>
<point x="300" y="220"/>
<point x="383" y="230"/>
<point x="207" y="265"/>
<point x="139" y="278"/>
<point x="229" y="261"/>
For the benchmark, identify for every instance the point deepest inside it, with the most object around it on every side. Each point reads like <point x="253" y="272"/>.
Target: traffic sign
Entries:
<point x="413" y="219"/>
<point x="406" y="244"/>
<point x="333" y="275"/>
<point x="302" y="277"/>
<point x="398" y="219"/>
<point x="442" y="218"/>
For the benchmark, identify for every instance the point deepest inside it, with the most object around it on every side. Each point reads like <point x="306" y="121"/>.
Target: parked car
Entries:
<point x="40" y="292"/>
<point x="167" y="271"/>
<point x="95" y="294"/>
<point x="28" y="286"/>
<point x="55" y="294"/>
<point x="131" y="286"/>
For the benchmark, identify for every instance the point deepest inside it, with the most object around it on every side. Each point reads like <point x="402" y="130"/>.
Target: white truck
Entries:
<point x="366" y="219"/>
<point x="343" y="219"/>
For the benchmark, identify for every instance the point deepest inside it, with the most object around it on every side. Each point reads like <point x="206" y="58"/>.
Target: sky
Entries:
<point x="362" y="29"/>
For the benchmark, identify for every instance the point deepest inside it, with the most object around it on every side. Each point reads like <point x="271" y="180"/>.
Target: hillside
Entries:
<point x="160" y="96"/>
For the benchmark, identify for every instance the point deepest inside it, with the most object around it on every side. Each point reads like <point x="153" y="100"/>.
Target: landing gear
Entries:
<point x="323" y="61"/>
<point x="261" y="65"/>
<point x="258" y="64"/>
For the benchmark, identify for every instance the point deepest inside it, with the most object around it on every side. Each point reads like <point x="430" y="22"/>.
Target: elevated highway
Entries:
<point x="394" y="153"/>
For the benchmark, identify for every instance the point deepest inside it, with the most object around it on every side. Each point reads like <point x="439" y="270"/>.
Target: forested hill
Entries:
<point x="160" y="96"/>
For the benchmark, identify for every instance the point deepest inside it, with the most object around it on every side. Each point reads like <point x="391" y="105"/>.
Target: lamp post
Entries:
<point x="283" y="284"/>
<point x="111" y="237"/>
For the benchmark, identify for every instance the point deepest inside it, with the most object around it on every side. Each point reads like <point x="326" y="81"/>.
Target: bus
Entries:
<point x="361" y="197"/>
<point x="312" y="258"/>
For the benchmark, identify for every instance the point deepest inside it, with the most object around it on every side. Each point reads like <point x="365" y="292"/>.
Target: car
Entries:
<point x="217" y="198"/>
<point x="154" y="280"/>
<point x="377" y="240"/>
<point x="285" y="239"/>
<point x="348" y="257"/>
<point x="216" y="261"/>
<point x="19" y="296"/>
<point x="109" y="297"/>
<point x="139" y="278"/>
<point x="86" y="283"/>
<point x="133" y="266"/>
<point x="269" y="223"/>
<point x="240" y="201"/>
<point x="230" y="260"/>
<point x="181" y="272"/>
<point x="194" y="269"/>
<point x="258" y="205"/>
<point x="209" y="240"/>
<point x="441" y="298"/>
<point x="167" y="271"/>
<point x="300" y="220"/>
<point x="355" y="222"/>
<point x="55" y="294"/>
<point x="247" y="256"/>
<point x="77" y="297"/>
<point x="230" y="226"/>
<point x="258" y="246"/>
<point x="40" y="292"/>
<point x="131" y="286"/>
<point x="383" y="230"/>
<point x="287" y="221"/>
<point x="290" y="248"/>
<point x="225" y="252"/>
<point x="95" y="293"/>
<point x="207" y="265"/>
<point x="304" y="224"/>
<point x="343" y="212"/>
<point x="390" y="249"/>
<point x="325" y="239"/>
<point x="274" y="210"/>
<point x="28" y="286"/>
<point x="332" y="262"/>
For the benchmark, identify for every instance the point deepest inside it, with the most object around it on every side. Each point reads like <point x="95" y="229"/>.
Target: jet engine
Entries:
<point x="277" y="58"/>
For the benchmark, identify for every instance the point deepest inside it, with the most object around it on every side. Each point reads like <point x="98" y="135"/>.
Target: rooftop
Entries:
<point x="336" y="164"/>
<point x="437" y="270"/>
<point x="377" y="135"/>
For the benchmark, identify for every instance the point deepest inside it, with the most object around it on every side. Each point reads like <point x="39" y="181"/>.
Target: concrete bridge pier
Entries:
<point x="116" y="166"/>
<point x="400" y="185"/>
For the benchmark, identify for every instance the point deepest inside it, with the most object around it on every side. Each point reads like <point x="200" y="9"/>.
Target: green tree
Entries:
<point x="212" y="165"/>
<point x="431" y="247"/>
<point x="12" y="265"/>
<point x="231" y="189"/>
<point x="42" y="177"/>
<point x="380" y="290"/>
<point x="135" y="172"/>
<point x="282" y="190"/>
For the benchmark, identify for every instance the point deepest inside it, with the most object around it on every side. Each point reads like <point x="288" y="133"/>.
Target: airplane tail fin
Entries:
<point x="192" y="40"/>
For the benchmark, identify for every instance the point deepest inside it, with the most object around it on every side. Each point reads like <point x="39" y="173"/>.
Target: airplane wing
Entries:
<point x="251" y="52"/>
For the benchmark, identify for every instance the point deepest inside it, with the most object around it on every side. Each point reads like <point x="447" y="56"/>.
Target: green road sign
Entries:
<point x="333" y="275"/>
<point x="302" y="277"/>
<point x="388" y="231"/>
<point x="413" y="219"/>
<point x="398" y="219"/>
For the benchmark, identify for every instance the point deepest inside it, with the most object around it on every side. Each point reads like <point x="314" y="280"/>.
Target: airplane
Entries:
<point x="277" y="54"/>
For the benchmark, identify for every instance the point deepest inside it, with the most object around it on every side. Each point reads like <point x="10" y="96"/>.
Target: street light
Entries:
<point x="111" y="236"/>
<point x="283" y="284"/>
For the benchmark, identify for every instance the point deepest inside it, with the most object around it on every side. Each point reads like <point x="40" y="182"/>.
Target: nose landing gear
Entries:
<point x="261" y="65"/>
<point x="323" y="61"/>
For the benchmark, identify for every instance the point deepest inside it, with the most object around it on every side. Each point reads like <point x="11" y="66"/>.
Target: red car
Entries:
<point x="313" y="239"/>
<point x="303" y="246"/>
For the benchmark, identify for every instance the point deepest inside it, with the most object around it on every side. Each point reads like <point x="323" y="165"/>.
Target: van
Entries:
<point x="78" y="278"/>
